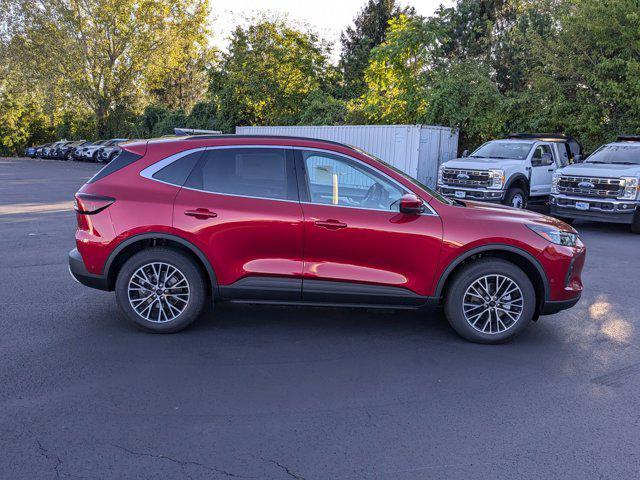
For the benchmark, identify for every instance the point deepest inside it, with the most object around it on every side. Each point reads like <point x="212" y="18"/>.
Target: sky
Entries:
<point x="327" y="17"/>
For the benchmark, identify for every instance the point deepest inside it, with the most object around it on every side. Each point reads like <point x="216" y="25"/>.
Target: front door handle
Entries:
<point x="331" y="224"/>
<point x="551" y="170"/>
<point x="201" y="213"/>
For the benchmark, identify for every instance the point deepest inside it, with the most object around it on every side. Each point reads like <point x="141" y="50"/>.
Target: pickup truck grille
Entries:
<point x="466" y="178"/>
<point x="590" y="186"/>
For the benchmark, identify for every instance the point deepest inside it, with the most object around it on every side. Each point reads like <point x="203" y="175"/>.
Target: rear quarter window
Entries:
<point x="123" y="159"/>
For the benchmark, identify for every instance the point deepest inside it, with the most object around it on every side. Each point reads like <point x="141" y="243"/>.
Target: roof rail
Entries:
<point x="278" y="137"/>
<point x="194" y="131"/>
<point x="628" y="138"/>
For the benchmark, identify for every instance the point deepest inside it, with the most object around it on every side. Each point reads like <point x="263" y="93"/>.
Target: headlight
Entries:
<point x="631" y="187"/>
<point x="555" y="235"/>
<point x="441" y="175"/>
<point x="554" y="182"/>
<point x="497" y="179"/>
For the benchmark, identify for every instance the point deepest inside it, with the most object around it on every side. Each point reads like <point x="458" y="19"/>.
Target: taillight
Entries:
<point x="87" y="204"/>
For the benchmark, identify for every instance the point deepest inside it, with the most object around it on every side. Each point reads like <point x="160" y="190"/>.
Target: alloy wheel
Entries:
<point x="493" y="304"/>
<point x="158" y="292"/>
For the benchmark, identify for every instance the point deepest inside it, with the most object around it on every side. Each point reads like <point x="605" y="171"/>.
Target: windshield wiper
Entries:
<point x="476" y="156"/>
<point x="625" y="163"/>
<point x="596" y="161"/>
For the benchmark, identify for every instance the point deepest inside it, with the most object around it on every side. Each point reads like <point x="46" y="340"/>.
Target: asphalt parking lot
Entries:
<point x="302" y="393"/>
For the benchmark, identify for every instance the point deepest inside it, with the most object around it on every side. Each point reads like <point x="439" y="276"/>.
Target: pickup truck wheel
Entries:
<point x="490" y="301"/>
<point x="635" y="226"/>
<point x="516" y="197"/>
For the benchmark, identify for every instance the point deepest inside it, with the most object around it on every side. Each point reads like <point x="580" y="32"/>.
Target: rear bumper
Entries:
<point x="80" y="274"/>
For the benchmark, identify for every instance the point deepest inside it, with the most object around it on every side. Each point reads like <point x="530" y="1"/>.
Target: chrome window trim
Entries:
<point x="151" y="170"/>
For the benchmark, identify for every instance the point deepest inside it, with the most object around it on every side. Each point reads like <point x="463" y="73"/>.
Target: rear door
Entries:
<point x="358" y="247"/>
<point x="240" y="206"/>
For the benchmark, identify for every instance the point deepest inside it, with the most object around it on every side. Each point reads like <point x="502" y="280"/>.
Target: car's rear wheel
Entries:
<point x="160" y="290"/>
<point x="490" y="301"/>
<point x="516" y="197"/>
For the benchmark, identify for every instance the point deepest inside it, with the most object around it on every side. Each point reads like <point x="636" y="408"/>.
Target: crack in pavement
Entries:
<point x="285" y="469"/>
<point x="49" y="456"/>
<point x="182" y="463"/>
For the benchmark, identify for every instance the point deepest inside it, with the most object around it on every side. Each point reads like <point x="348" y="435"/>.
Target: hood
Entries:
<point x="497" y="212"/>
<point x="601" y="170"/>
<point x="481" y="163"/>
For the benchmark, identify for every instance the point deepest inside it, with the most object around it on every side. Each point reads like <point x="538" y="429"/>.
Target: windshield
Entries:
<point x="431" y="192"/>
<point x="506" y="150"/>
<point x="616" y="154"/>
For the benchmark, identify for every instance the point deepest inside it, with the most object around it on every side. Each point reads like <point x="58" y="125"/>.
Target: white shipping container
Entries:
<point x="417" y="150"/>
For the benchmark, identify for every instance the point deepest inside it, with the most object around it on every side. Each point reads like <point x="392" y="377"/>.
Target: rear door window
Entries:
<point x="248" y="172"/>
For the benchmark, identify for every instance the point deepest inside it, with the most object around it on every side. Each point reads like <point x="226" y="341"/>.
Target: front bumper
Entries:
<point x="604" y="210"/>
<point x="80" y="274"/>
<point x="482" y="194"/>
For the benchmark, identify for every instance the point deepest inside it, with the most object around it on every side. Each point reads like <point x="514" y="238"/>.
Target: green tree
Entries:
<point x="268" y="73"/>
<point x="103" y="51"/>
<point x="397" y="75"/>
<point x="369" y="30"/>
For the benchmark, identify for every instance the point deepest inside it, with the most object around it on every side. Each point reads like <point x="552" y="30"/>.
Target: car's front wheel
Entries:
<point x="160" y="290"/>
<point x="490" y="301"/>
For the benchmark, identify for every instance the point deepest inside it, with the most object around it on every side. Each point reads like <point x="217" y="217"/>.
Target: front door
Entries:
<point x="542" y="167"/>
<point x="358" y="247"/>
<point x="240" y="206"/>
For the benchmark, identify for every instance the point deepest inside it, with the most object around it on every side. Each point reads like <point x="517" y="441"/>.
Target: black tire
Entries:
<point x="186" y="266"/>
<point x="95" y="158"/>
<point x="466" y="277"/>
<point x="515" y="197"/>
<point x="635" y="226"/>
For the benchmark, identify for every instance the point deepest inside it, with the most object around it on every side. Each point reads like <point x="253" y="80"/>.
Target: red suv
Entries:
<point x="280" y="220"/>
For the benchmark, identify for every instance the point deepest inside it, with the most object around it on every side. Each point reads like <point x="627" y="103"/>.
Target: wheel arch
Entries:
<point x="521" y="258"/>
<point x="134" y="244"/>
<point x="519" y="180"/>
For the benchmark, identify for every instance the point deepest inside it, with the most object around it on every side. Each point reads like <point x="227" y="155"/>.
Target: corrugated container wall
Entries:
<point x="417" y="150"/>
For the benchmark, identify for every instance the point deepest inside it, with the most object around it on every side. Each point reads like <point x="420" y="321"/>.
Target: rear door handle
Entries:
<point x="331" y="224"/>
<point x="201" y="213"/>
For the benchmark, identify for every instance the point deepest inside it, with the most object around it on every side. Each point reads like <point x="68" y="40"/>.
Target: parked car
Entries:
<point x="604" y="188"/>
<point x="31" y="151"/>
<point x="259" y="219"/>
<point x="86" y="153"/>
<point x="55" y="152"/>
<point x="514" y="171"/>
<point x="40" y="150"/>
<point x="109" y="150"/>
<point x="64" y="152"/>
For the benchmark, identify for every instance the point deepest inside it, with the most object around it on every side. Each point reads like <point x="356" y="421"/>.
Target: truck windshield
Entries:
<point x="616" y="154"/>
<point x="505" y="150"/>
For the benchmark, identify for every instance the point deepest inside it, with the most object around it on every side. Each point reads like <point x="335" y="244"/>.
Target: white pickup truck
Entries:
<point x="514" y="171"/>
<point x="605" y="187"/>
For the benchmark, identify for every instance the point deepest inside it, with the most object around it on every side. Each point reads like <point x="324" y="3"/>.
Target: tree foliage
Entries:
<point x="269" y="72"/>
<point x="139" y="68"/>
<point x="369" y="31"/>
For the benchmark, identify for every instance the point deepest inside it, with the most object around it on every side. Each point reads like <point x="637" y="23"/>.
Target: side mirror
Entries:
<point x="411" y="204"/>
<point x="465" y="153"/>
